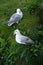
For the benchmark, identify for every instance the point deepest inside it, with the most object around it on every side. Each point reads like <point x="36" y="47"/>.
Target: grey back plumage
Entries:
<point x="26" y="40"/>
<point x="15" y="18"/>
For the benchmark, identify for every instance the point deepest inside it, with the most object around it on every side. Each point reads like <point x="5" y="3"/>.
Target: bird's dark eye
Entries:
<point x="16" y="31"/>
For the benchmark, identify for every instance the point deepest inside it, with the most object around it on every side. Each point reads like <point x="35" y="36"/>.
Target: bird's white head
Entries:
<point x="18" y="10"/>
<point x="16" y="32"/>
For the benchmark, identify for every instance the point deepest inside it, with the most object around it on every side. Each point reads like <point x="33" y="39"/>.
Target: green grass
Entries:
<point x="12" y="53"/>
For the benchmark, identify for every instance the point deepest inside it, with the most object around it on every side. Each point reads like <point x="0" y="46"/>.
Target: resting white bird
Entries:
<point x="21" y="39"/>
<point x="15" y="18"/>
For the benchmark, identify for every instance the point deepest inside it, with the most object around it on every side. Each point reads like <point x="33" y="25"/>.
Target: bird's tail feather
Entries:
<point x="10" y="23"/>
<point x="29" y="42"/>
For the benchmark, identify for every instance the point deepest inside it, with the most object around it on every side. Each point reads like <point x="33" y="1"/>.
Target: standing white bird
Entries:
<point x="15" y="18"/>
<point x="21" y="38"/>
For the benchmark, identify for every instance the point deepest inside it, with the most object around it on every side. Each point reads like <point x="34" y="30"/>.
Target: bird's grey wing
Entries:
<point x="25" y="39"/>
<point x="11" y="20"/>
<point x="14" y="18"/>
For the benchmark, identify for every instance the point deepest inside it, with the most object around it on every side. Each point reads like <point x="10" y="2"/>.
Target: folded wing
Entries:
<point x="26" y="40"/>
<point x="14" y="18"/>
